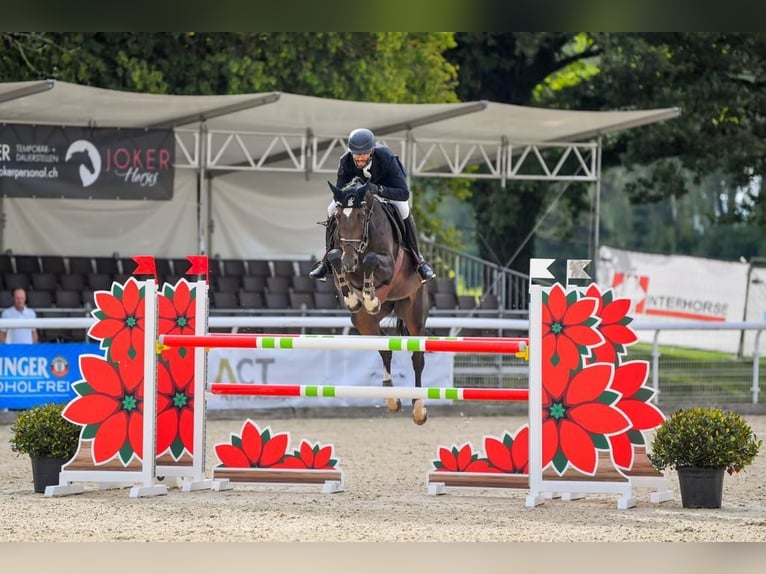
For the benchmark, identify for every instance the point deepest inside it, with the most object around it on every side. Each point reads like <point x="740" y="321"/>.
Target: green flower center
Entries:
<point x="180" y="400"/>
<point x="557" y="328"/>
<point x="557" y="411"/>
<point x="182" y="321"/>
<point x="129" y="403"/>
<point x="131" y="321"/>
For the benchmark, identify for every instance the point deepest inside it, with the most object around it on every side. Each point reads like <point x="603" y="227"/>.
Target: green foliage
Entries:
<point x="706" y="437"/>
<point x="401" y="67"/>
<point x="715" y="151"/>
<point x="716" y="79"/>
<point x="41" y="431"/>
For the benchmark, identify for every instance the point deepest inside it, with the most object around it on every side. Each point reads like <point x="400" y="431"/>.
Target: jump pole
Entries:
<point x="496" y="345"/>
<point x="328" y="391"/>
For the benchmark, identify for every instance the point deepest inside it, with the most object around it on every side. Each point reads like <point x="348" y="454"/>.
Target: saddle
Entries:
<point x="395" y="218"/>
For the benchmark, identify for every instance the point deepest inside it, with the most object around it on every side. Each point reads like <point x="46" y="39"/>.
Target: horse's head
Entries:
<point x="82" y="158"/>
<point x="354" y="203"/>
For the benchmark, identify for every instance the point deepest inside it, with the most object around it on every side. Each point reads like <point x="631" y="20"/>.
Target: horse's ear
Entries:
<point x="336" y="192"/>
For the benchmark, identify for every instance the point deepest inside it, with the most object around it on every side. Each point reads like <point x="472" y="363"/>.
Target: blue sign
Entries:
<point x="43" y="373"/>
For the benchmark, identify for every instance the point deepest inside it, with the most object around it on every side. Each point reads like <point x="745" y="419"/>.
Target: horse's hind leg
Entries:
<point x="413" y="318"/>
<point x="393" y="405"/>
<point x="419" y="410"/>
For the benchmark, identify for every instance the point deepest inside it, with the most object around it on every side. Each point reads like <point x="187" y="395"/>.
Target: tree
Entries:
<point x="717" y="81"/>
<point x="715" y="148"/>
<point x="507" y="67"/>
<point x="400" y="67"/>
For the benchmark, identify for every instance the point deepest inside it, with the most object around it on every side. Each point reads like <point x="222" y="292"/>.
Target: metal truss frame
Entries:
<point x="226" y="152"/>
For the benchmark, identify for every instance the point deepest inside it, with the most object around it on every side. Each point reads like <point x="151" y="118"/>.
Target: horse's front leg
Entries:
<point x="370" y="299"/>
<point x="419" y="411"/>
<point x="373" y="264"/>
<point x="393" y="404"/>
<point x="350" y="298"/>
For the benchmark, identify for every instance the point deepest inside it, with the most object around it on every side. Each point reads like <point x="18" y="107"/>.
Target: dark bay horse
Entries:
<point x="376" y="277"/>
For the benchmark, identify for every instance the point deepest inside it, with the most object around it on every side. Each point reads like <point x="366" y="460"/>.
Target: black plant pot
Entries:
<point x="701" y="487"/>
<point x="45" y="472"/>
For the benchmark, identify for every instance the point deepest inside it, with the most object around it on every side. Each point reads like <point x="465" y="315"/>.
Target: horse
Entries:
<point x="375" y="276"/>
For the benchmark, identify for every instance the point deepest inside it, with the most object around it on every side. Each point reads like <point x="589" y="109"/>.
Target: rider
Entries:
<point x="382" y="168"/>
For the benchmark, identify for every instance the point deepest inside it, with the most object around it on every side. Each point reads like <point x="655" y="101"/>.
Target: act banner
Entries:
<point x="86" y="163"/>
<point x="316" y="367"/>
<point x="43" y="373"/>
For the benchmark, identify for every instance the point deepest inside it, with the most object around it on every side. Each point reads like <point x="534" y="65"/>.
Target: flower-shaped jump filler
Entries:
<point x="593" y="400"/>
<point x="109" y="401"/>
<point x="508" y="455"/>
<point x="256" y="448"/>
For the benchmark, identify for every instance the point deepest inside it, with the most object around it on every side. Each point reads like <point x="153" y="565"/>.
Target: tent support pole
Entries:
<point x="597" y="214"/>
<point x="203" y="196"/>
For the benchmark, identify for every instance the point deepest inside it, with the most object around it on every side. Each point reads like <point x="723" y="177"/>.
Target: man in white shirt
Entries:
<point x="19" y="311"/>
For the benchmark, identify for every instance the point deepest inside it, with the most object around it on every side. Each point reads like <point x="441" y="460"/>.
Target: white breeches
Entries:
<point x="402" y="206"/>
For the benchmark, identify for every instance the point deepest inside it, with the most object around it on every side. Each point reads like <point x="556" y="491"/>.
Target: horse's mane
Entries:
<point x="355" y="183"/>
<point x="354" y="193"/>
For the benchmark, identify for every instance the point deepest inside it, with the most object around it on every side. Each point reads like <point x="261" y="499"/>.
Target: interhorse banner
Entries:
<point x="678" y="289"/>
<point x="86" y="163"/>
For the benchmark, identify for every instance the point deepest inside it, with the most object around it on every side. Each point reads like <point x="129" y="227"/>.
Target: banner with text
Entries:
<point x="86" y="163"/>
<point x="44" y="373"/>
<point x="678" y="288"/>
<point x="316" y="367"/>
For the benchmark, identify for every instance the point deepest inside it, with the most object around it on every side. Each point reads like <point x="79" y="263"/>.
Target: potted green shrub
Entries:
<point x="700" y="444"/>
<point x="48" y="438"/>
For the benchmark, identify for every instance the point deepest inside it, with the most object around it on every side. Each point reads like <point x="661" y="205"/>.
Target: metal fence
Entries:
<point x="710" y="379"/>
<point x="476" y="276"/>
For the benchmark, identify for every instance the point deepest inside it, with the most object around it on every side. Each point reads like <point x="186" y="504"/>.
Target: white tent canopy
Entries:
<point x="251" y="169"/>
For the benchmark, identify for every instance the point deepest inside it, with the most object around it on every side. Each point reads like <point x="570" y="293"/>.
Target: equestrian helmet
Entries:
<point x="361" y="141"/>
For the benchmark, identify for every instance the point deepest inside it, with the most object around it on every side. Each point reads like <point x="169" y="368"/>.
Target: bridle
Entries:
<point x="365" y="239"/>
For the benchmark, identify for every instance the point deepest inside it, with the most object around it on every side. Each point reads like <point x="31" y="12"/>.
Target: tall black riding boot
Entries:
<point x="424" y="269"/>
<point x="322" y="268"/>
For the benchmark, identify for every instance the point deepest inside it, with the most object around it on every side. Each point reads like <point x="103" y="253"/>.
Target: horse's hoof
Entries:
<point x="372" y="305"/>
<point x="419" y="412"/>
<point x="394" y="405"/>
<point x="351" y="307"/>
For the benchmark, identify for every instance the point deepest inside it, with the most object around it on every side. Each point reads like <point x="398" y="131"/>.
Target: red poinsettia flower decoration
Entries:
<point x="629" y="379"/>
<point x="309" y="456"/>
<point x="253" y="448"/>
<point x="509" y="454"/>
<point x="175" y="372"/>
<point x="613" y="325"/>
<point x="175" y="406"/>
<point x="110" y="407"/>
<point x="120" y="326"/>
<point x="575" y="423"/>
<point x="176" y="311"/>
<point x="461" y="459"/>
<point x="568" y="330"/>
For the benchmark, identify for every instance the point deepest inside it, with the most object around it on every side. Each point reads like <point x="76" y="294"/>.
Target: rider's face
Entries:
<point x="361" y="159"/>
